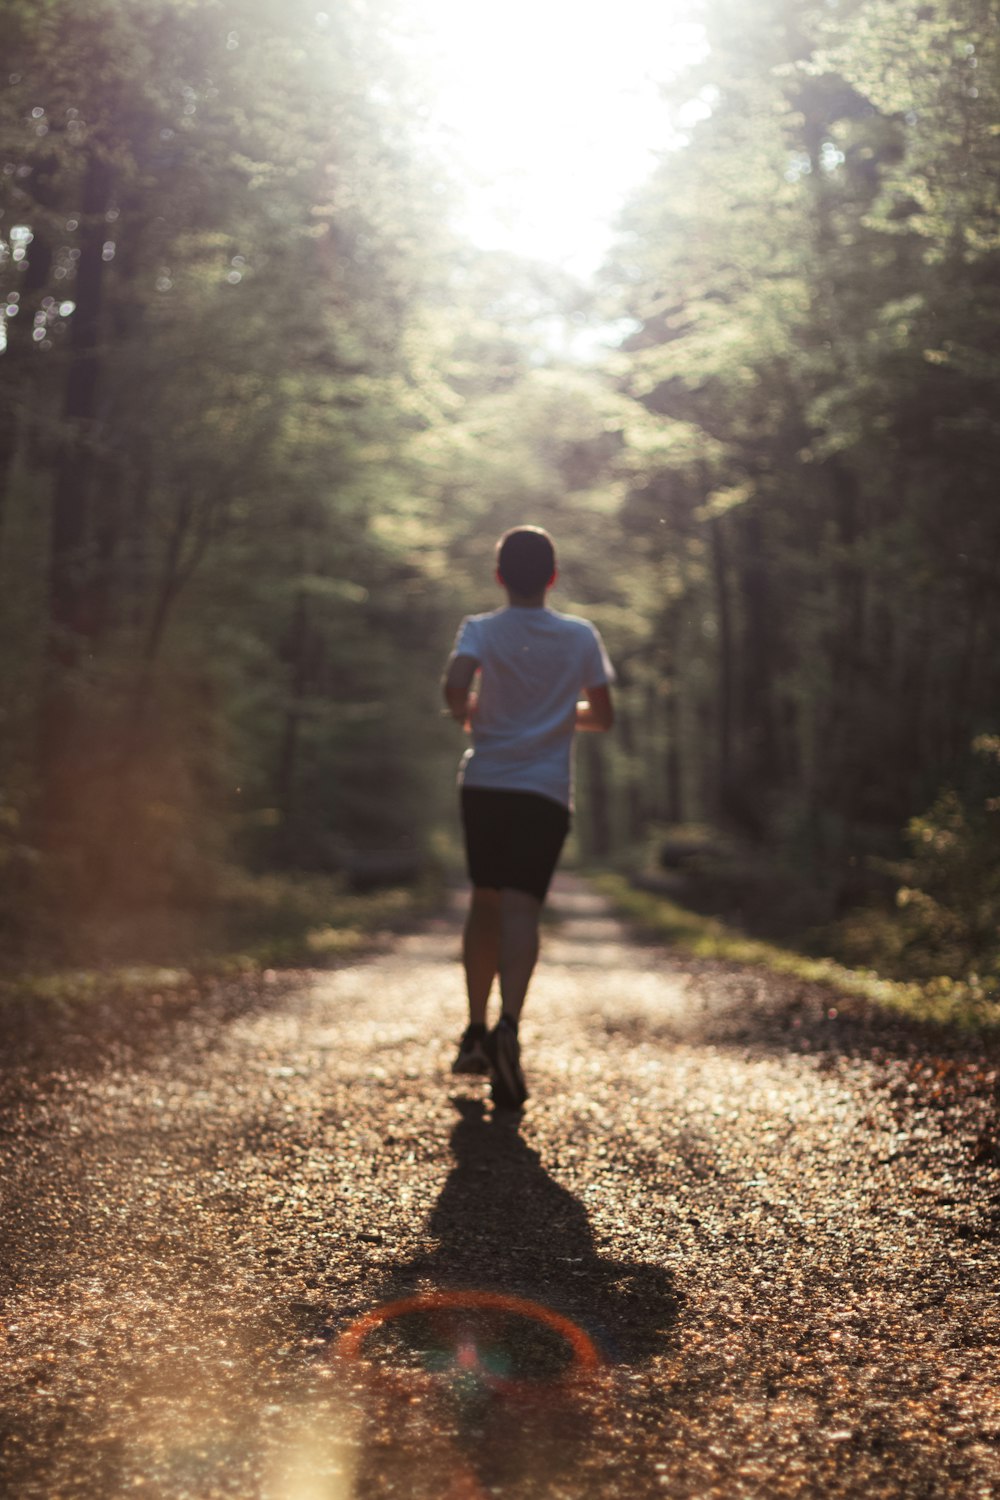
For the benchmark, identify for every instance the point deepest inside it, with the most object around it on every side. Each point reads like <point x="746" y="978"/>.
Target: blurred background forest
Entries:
<point x="263" y="414"/>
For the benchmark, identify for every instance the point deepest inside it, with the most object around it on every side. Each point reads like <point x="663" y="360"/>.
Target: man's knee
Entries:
<point x="521" y="906"/>
<point x="486" y="902"/>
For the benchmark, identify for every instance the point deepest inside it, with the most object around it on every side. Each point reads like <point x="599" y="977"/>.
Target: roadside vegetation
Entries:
<point x="924" y="942"/>
<point x="129" y="975"/>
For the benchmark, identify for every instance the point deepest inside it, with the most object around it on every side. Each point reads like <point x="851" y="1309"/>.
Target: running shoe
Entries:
<point x="472" y="1056"/>
<point x="507" y="1081"/>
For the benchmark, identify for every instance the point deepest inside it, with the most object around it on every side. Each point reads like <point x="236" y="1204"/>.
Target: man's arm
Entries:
<point x="597" y="713"/>
<point x="456" y="688"/>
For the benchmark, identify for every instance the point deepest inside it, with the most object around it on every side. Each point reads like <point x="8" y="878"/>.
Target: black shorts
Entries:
<point x="512" y="839"/>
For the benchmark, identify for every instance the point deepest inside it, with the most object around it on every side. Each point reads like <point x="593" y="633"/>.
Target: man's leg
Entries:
<point x="519" y="913"/>
<point x="481" y="949"/>
<point x="518" y="948"/>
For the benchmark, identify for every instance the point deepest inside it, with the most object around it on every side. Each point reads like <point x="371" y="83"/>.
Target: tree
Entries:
<point x="221" y="232"/>
<point x="810" y="280"/>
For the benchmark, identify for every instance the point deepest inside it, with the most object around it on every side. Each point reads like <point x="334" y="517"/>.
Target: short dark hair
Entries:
<point x="526" y="559"/>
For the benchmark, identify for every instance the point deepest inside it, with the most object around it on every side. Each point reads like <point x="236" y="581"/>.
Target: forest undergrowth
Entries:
<point x="924" y="950"/>
<point x="151" y="965"/>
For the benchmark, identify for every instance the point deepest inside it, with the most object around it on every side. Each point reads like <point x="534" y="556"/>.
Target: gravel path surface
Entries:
<point x="777" y="1225"/>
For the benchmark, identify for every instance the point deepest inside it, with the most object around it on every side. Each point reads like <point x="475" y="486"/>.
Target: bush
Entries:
<point x="949" y="900"/>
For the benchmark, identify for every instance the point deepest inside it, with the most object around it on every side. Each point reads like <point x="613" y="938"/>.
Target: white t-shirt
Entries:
<point x="535" y="665"/>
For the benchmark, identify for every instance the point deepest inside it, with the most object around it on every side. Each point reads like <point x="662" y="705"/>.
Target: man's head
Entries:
<point x="526" y="561"/>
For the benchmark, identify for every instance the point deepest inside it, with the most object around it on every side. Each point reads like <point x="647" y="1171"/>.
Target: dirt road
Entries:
<point x="777" y="1226"/>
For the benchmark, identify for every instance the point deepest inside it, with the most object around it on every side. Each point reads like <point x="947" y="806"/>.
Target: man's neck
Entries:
<point x="526" y="601"/>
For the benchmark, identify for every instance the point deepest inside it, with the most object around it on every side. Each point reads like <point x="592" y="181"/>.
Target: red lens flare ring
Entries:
<point x="585" y="1355"/>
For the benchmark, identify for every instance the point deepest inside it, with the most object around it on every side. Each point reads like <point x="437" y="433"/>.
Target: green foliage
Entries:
<point x="968" y="1004"/>
<point x="221" y="288"/>
<point x="811" y="282"/>
<point x="951" y="897"/>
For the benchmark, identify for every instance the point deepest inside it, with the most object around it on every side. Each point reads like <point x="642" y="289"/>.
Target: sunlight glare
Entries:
<point x="551" y="112"/>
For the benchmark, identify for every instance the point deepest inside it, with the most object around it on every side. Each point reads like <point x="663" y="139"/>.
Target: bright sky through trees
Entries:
<point x="550" y="110"/>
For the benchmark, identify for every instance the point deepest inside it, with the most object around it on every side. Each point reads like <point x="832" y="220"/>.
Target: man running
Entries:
<point x="542" y="676"/>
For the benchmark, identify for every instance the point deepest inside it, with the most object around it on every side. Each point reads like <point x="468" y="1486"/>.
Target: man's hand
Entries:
<point x="597" y="712"/>
<point x="457" y="688"/>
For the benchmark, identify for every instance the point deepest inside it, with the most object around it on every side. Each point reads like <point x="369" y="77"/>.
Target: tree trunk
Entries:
<point x="845" y="751"/>
<point x="724" y="725"/>
<point x="635" y="810"/>
<point x="653" y="741"/>
<point x="675" y="798"/>
<point x="19" y="361"/>
<point x="759" y="750"/>
<point x="69" y="623"/>
<point x="75" y="464"/>
<point x="288" y="756"/>
<point x="598" y="808"/>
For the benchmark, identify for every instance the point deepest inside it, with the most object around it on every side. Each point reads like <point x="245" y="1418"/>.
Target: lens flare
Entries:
<point x="468" y="1355"/>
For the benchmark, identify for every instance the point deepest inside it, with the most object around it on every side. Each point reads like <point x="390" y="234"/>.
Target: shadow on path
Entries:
<point x="503" y="1224"/>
